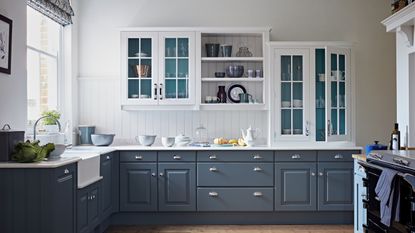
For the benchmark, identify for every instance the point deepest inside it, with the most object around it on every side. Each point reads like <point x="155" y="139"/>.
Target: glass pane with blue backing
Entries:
<point x="342" y="66"/>
<point x="285" y="68"/>
<point x="285" y="121"/>
<point x="145" y="69"/>
<point x="182" y="89"/>
<point x="334" y="94"/>
<point x="342" y="95"/>
<point x="183" y="44"/>
<point x="342" y="121"/>
<point x="285" y="95"/>
<point x="170" y="47"/>
<point x="145" y="88"/>
<point x="183" y="66"/>
<point x="298" y="95"/>
<point x="297" y="68"/>
<point x="133" y="88"/>
<point x="333" y="63"/>
<point x="171" y="89"/>
<point x="334" y="122"/>
<point x="298" y="121"/>
<point x="170" y="68"/>
<point x="132" y="68"/>
<point x="133" y="47"/>
<point x="146" y="47"/>
<point x="320" y="66"/>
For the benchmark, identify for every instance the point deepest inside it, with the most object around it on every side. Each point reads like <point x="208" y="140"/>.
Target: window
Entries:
<point x="43" y="63"/>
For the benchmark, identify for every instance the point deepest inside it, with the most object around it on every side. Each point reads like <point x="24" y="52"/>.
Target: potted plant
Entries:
<point x="49" y="123"/>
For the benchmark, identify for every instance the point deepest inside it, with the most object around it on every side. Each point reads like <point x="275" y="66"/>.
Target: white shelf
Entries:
<point x="208" y="79"/>
<point x="230" y="59"/>
<point x="233" y="106"/>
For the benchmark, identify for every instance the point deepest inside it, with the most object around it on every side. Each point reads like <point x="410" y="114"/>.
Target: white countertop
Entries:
<point x="78" y="153"/>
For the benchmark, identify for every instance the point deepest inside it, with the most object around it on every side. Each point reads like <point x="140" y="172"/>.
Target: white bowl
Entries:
<point x="167" y="141"/>
<point x="146" y="140"/>
<point x="285" y="104"/>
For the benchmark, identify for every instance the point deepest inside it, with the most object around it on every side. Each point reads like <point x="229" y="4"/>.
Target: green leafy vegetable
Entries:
<point x="27" y="152"/>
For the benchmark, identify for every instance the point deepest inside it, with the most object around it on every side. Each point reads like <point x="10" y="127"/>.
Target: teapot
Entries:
<point x="250" y="136"/>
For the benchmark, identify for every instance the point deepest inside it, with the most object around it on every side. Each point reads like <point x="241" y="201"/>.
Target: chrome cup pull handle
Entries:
<point x="338" y="156"/>
<point x="296" y="156"/>
<point x="213" y="169"/>
<point x="66" y="171"/>
<point x="257" y="157"/>
<point x="257" y="169"/>
<point x="139" y="157"/>
<point x="213" y="194"/>
<point x="258" y="194"/>
<point x="177" y="157"/>
<point x="212" y="157"/>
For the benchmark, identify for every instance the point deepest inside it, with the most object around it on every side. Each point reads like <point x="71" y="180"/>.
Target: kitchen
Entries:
<point x="149" y="71"/>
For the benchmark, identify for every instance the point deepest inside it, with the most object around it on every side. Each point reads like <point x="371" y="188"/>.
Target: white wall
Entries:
<point x="13" y="109"/>
<point x="329" y="20"/>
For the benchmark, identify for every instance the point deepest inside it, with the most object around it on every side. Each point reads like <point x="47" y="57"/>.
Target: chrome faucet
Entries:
<point x="37" y="121"/>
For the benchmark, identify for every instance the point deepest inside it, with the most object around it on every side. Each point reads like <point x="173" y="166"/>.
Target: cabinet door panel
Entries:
<point x="295" y="186"/>
<point x="106" y="169"/>
<point x="138" y="187"/>
<point x="93" y="207"/>
<point x="65" y="197"/>
<point x="177" y="187"/>
<point x="335" y="186"/>
<point x="82" y="211"/>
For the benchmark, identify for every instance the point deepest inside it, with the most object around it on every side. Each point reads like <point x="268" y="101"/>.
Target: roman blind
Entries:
<point x="58" y="10"/>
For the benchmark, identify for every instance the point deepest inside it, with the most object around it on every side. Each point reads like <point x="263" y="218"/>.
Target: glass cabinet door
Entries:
<point x="337" y="85"/>
<point x="139" y="65"/>
<point x="293" y="93"/>
<point x="177" y="68"/>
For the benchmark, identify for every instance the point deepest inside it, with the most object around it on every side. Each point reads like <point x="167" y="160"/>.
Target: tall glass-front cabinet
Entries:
<point x="158" y="68"/>
<point x="312" y="93"/>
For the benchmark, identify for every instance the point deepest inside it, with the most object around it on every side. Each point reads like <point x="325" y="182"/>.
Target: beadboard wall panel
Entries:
<point x="100" y="105"/>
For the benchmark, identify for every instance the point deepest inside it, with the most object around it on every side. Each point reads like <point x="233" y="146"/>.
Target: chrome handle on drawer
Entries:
<point x="338" y="156"/>
<point x="108" y="157"/>
<point x="153" y="174"/>
<point x="161" y="174"/>
<point x="320" y="174"/>
<point x="258" y="194"/>
<point x="257" y="169"/>
<point x="296" y="156"/>
<point x="139" y="157"/>
<point x="257" y="157"/>
<point x="66" y="171"/>
<point x="313" y="174"/>
<point x="177" y="157"/>
<point x="213" y="194"/>
<point x="213" y="169"/>
<point x="212" y="157"/>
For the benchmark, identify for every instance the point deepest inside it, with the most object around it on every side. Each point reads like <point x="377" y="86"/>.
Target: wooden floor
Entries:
<point x="234" y="229"/>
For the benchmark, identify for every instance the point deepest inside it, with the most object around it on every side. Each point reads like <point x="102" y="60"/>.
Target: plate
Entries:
<point x="234" y="91"/>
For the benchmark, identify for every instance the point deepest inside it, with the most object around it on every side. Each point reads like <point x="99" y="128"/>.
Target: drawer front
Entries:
<point x="235" y="199"/>
<point x="235" y="174"/>
<point x="235" y="156"/>
<point x="295" y="155"/>
<point x="336" y="155"/>
<point x="177" y="156"/>
<point x="138" y="156"/>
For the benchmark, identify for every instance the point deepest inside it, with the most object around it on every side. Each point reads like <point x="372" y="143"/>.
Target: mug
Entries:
<point x="250" y="73"/>
<point x="226" y="50"/>
<point x="245" y="97"/>
<point x="258" y="73"/>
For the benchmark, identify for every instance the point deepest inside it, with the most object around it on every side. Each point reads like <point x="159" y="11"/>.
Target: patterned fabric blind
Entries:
<point x="58" y="10"/>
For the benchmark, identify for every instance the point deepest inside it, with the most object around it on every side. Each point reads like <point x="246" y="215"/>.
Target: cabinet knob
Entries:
<point x="313" y="174"/>
<point x="213" y="169"/>
<point x="161" y="174"/>
<point x="296" y="156"/>
<point x="139" y="157"/>
<point x="212" y="157"/>
<point x="258" y="194"/>
<point x="213" y="194"/>
<point x="257" y="157"/>
<point x="338" y="156"/>
<point x="177" y="157"/>
<point x="320" y="174"/>
<point x="153" y="174"/>
<point x="66" y="171"/>
<point x="257" y="169"/>
<point x="108" y="157"/>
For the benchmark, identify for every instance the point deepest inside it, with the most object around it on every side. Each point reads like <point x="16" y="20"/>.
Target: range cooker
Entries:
<point x="404" y="163"/>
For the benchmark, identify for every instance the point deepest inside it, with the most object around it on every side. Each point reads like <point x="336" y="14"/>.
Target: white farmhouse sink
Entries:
<point x="88" y="167"/>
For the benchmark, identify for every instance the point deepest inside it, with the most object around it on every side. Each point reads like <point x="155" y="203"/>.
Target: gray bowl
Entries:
<point x="146" y="140"/>
<point x="102" y="139"/>
<point x="235" y="71"/>
<point x="56" y="154"/>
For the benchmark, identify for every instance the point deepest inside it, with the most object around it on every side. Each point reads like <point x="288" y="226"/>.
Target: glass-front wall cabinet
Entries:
<point x="158" y="68"/>
<point x="293" y="98"/>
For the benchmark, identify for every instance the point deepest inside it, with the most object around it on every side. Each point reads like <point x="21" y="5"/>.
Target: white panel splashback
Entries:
<point x="99" y="105"/>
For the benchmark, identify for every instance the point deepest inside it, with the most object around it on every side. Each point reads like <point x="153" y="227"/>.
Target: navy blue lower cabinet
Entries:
<point x="295" y="186"/>
<point x="109" y="184"/>
<point x="177" y="187"/>
<point x="138" y="187"/>
<point x="88" y="210"/>
<point x="235" y="199"/>
<point x="335" y="186"/>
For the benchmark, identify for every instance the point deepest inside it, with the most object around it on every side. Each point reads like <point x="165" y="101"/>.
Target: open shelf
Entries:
<point x="233" y="106"/>
<point x="229" y="59"/>
<point x="208" y="79"/>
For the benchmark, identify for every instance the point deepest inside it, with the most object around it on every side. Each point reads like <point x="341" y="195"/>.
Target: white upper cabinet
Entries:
<point x="312" y="93"/>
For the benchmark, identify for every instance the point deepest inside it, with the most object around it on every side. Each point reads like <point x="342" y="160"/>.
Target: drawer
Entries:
<point x="235" y="199"/>
<point x="177" y="156"/>
<point x="235" y="174"/>
<point x="65" y="170"/>
<point x="138" y="156"/>
<point x="235" y="156"/>
<point x="295" y="155"/>
<point x="336" y="155"/>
